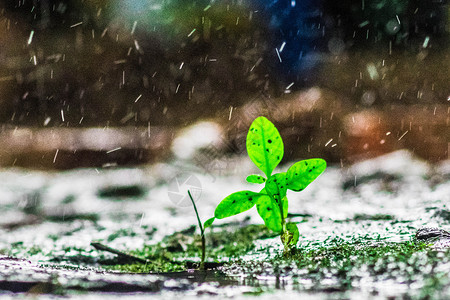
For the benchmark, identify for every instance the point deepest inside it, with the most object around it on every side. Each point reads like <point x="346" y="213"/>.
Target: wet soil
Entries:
<point x="357" y="233"/>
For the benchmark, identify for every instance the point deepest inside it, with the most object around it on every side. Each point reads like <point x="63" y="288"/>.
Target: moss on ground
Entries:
<point x="176" y="252"/>
<point x="341" y="263"/>
<point x="335" y="265"/>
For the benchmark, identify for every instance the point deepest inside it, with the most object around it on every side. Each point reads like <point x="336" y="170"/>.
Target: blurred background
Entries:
<point x="98" y="83"/>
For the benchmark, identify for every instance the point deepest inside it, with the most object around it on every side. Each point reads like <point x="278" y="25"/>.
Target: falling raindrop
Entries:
<point x="392" y="27"/>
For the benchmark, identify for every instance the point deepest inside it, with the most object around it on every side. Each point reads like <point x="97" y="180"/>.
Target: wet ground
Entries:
<point x="357" y="228"/>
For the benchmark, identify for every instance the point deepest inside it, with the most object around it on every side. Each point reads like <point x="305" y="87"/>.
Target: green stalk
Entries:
<point x="202" y="262"/>
<point x="283" y="223"/>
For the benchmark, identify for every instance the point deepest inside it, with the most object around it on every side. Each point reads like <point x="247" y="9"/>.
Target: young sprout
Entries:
<point x="265" y="148"/>
<point x="202" y="232"/>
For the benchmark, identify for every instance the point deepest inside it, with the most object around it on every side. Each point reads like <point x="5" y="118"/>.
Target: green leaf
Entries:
<point x="236" y="203"/>
<point x="264" y="145"/>
<point x="255" y="179"/>
<point x="208" y="222"/>
<point x="270" y="213"/>
<point x="302" y="173"/>
<point x="292" y="235"/>
<point x="276" y="186"/>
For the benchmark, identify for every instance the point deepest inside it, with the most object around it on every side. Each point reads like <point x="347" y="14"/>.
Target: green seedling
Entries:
<point x="265" y="148"/>
<point x="202" y="232"/>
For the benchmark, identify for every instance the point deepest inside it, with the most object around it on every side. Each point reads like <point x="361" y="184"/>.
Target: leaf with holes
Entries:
<point x="269" y="212"/>
<point x="302" y="173"/>
<point x="236" y="203"/>
<point x="265" y="148"/>
<point x="276" y="186"/>
<point x="255" y="179"/>
<point x="264" y="145"/>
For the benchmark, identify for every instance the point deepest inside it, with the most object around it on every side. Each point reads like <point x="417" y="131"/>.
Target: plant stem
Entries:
<point x="202" y="262"/>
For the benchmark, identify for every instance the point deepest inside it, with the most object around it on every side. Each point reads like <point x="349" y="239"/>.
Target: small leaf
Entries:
<point x="236" y="203"/>
<point x="208" y="222"/>
<point x="270" y="213"/>
<point x="276" y="186"/>
<point x="264" y="145"/>
<point x="293" y="232"/>
<point x="291" y="235"/>
<point x="255" y="179"/>
<point x="302" y="173"/>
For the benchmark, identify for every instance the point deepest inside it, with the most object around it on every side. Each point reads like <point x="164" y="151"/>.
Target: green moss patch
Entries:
<point x="178" y="251"/>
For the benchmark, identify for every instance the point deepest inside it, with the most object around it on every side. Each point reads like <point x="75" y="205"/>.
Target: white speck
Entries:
<point x="293" y="3"/>
<point x="104" y="32"/>
<point x="403" y="135"/>
<point x="278" y="54"/>
<point x="426" y="41"/>
<point x="76" y="24"/>
<point x="328" y="142"/>
<point x="213" y="59"/>
<point x="34" y="60"/>
<point x="112" y="150"/>
<point x="388" y="133"/>
<point x="365" y="23"/>
<point x="136" y="44"/>
<point x="289" y="86"/>
<point x="62" y="115"/>
<point x="334" y="145"/>
<point x="81" y="120"/>
<point x="256" y="64"/>
<point x="398" y="19"/>
<point x="142" y="218"/>
<point x="134" y="27"/>
<point x="282" y="46"/>
<point x="30" y="38"/>
<point x="192" y="32"/>
<point x="56" y="154"/>
<point x="47" y="120"/>
<point x="137" y="99"/>
<point x="181" y="66"/>
<point x="372" y="70"/>
<point x="231" y="112"/>
<point x="178" y="86"/>
<point x="207" y="7"/>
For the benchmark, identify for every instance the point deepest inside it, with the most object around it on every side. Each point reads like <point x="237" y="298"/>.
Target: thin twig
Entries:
<point x="102" y="247"/>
